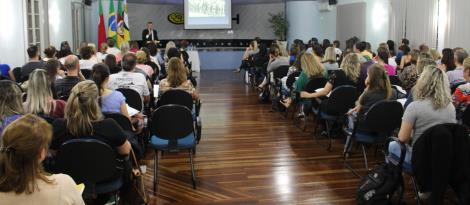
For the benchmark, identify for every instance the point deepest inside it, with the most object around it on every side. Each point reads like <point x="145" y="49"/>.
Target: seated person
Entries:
<point x="128" y="78"/>
<point x="251" y="50"/>
<point x="141" y="60"/>
<point x="383" y="59"/>
<point x="422" y="65"/>
<point x="34" y="63"/>
<point x="347" y="75"/>
<point x="329" y="60"/>
<point x="39" y="99"/>
<point x="23" y="181"/>
<point x="11" y="102"/>
<point x="64" y="85"/>
<point x="112" y="101"/>
<point x="276" y="60"/>
<point x="177" y="79"/>
<point x="431" y="106"/>
<point x="456" y="76"/>
<point x="461" y="96"/>
<point x="86" y="61"/>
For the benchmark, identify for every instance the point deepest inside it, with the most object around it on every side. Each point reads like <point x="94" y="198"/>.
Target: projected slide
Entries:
<point x="207" y="14"/>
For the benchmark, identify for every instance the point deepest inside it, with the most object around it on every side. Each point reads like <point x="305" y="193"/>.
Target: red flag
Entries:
<point x="101" y="28"/>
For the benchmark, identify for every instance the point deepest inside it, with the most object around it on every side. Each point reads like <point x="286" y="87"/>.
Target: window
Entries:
<point x="36" y="28"/>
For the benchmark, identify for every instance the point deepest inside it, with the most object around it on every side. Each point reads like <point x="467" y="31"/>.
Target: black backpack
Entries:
<point x="382" y="186"/>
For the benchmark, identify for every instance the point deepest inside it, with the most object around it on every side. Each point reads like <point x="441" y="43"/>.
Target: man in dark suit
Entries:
<point x="149" y="34"/>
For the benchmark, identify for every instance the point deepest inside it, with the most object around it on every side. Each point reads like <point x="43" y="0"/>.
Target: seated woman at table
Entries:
<point x="347" y="75"/>
<point x="432" y="105"/>
<point x="378" y="87"/>
<point x="461" y="96"/>
<point x="177" y="79"/>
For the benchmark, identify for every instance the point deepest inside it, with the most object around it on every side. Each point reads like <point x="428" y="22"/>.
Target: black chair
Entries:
<point x="466" y="117"/>
<point x="172" y="130"/>
<point x="122" y="120"/>
<point x="181" y="97"/>
<point x="277" y="74"/>
<point x="374" y="127"/>
<point x="17" y="73"/>
<point x="133" y="98"/>
<point x="312" y="85"/>
<point x="86" y="73"/>
<point x="93" y="163"/>
<point x="334" y="109"/>
<point x="394" y="80"/>
<point x="455" y="86"/>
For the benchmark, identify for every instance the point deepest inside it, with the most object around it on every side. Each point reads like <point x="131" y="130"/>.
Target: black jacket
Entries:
<point x="145" y="32"/>
<point x="441" y="157"/>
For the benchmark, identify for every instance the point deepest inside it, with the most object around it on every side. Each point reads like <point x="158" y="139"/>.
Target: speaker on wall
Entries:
<point x="333" y="2"/>
<point x="87" y="2"/>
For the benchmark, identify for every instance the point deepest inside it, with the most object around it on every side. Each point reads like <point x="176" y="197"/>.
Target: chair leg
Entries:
<point x="328" y="133"/>
<point x="155" y="172"/>
<point x="365" y="156"/>
<point x="415" y="189"/>
<point x="193" y="174"/>
<point x="348" y="166"/>
<point x="315" y="128"/>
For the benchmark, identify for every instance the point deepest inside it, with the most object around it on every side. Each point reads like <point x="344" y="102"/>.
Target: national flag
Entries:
<point x="127" y="35"/>
<point x="112" y="28"/>
<point x="120" y="23"/>
<point x="101" y="27"/>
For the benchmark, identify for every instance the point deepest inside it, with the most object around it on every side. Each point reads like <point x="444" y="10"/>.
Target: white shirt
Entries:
<point x="113" y="50"/>
<point x="131" y="80"/>
<point x="87" y="64"/>
<point x="392" y="62"/>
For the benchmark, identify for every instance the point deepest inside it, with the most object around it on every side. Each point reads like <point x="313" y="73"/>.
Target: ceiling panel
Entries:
<point x="181" y="1"/>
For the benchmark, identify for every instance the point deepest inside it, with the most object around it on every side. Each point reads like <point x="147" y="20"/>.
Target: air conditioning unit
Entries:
<point x="324" y="6"/>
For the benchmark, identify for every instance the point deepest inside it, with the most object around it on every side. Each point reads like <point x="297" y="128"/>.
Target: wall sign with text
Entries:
<point x="176" y="18"/>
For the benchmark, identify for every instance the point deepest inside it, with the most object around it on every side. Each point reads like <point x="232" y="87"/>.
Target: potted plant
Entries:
<point x="279" y="25"/>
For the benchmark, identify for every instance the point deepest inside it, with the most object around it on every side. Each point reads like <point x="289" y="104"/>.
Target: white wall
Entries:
<point x="306" y="21"/>
<point x="60" y="22"/>
<point x="12" y="37"/>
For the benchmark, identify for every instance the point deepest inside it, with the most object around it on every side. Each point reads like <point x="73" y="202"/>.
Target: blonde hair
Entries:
<point x="254" y="44"/>
<point x="82" y="109"/>
<point x="422" y="63"/>
<point x="93" y="47"/>
<point x="310" y="65"/>
<point x="433" y="85"/>
<point x="466" y="65"/>
<point x="141" y="57"/>
<point x="23" y="140"/>
<point x="351" y="66"/>
<point x="125" y="47"/>
<point x="39" y="95"/>
<point x="330" y="55"/>
<point x="435" y="54"/>
<point x="176" y="72"/>
<point x="282" y="48"/>
<point x="10" y="99"/>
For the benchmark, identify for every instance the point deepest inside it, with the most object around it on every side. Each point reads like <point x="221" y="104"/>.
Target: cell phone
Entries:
<point x="156" y="90"/>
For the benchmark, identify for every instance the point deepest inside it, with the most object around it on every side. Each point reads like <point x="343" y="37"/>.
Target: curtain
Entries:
<point x="397" y="15"/>
<point x="422" y="22"/>
<point x="457" y="29"/>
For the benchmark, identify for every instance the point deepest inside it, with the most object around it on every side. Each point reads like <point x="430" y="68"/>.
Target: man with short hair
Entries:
<point x="130" y="79"/>
<point x="33" y="64"/>
<point x="149" y="34"/>
<point x="404" y="43"/>
<point x="64" y="86"/>
<point x="456" y="76"/>
<point x="361" y="48"/>
<point x="111" y="49"/>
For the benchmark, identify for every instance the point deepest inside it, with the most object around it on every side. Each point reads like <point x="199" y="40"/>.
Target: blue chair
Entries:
<point x="172" y="130"/>
<point x="374" y="127"/>
<point x="93" y="163"/>
<point x="334" y="110"/>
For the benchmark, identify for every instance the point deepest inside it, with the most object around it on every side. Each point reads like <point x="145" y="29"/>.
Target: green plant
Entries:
<point x="279" y="25"/>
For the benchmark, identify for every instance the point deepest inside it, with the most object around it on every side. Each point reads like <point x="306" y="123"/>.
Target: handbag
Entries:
<point x="135" y="194"/>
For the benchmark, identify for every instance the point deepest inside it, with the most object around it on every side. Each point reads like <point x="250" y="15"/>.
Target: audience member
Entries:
<point x="326" y="44"/>
<point x="141" y="63"/>
<point x="134" y="47"/>
<point x="404" y="48"/>
<point x="11" y="107"/>
<point x="64" y="86"/>
<point x="338" y="51"/>
<point x="50" y="53"/>
<point x="432" y="106"/>
<point x="86" y="62"/>
<point x="275" y="62"/>
<point x="447" y="60"/>
<point x="110" y="61"/>
<point x="128" y="78"/>
<point x="329" y="60"/>
<point x="177" y="79"/>
<point x="169" y="45"/>
<point x="391" y="48"/>
<point x="64" y="51"/>
<point x="111" y="49"/>
<point x="409" y="75"/>
<point x="436" y="56"/>
<point x="461" y="96"/>
<point x="54" y="72"/>
<point x="125" y="49"/>
<point x="33" y="64"/>
<point x="22" y="178"/>
<point x="94" y="53"/>
<point x="406" y="58"/>
<point x="39" y="99"/>
<point x="361" y="49"/>
<point x="6" y="72"/>
<point x="101" y="55"/>
<point x="456" y="76"/>
<point x="423" y="48"/>
<point x="383" y="58"/>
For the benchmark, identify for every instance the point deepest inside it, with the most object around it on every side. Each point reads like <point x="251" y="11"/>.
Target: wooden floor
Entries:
<point x="250" y="155"/>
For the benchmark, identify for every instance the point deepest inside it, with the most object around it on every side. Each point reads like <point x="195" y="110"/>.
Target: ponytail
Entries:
<point x="99" y="74"/>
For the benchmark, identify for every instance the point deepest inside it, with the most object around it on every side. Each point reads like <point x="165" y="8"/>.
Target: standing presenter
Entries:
<point x="149" y="35"/>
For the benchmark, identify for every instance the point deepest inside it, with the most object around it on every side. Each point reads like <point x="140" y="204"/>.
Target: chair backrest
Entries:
<point x="172" y="122"/>
<point x="455" y="86"/>
<point x="315" y="83"/>
<point x="87" y="160"/>
<point x="341" y="100"/>
<point x="133" y="98"/>
<point x="394" y="80"/>
<point x="466" y="116"/>
<point x="281" y="71"/>
<point x="17" y="73"/>
<point x="177" y="97"/>
<point x="86" y="73"/>
<point x="291" y="78"/>
<point x="122" y="120"/>
<point x="383" y="117"/>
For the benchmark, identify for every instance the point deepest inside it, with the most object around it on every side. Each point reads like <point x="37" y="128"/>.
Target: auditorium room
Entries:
<point x="234" y="102"/>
